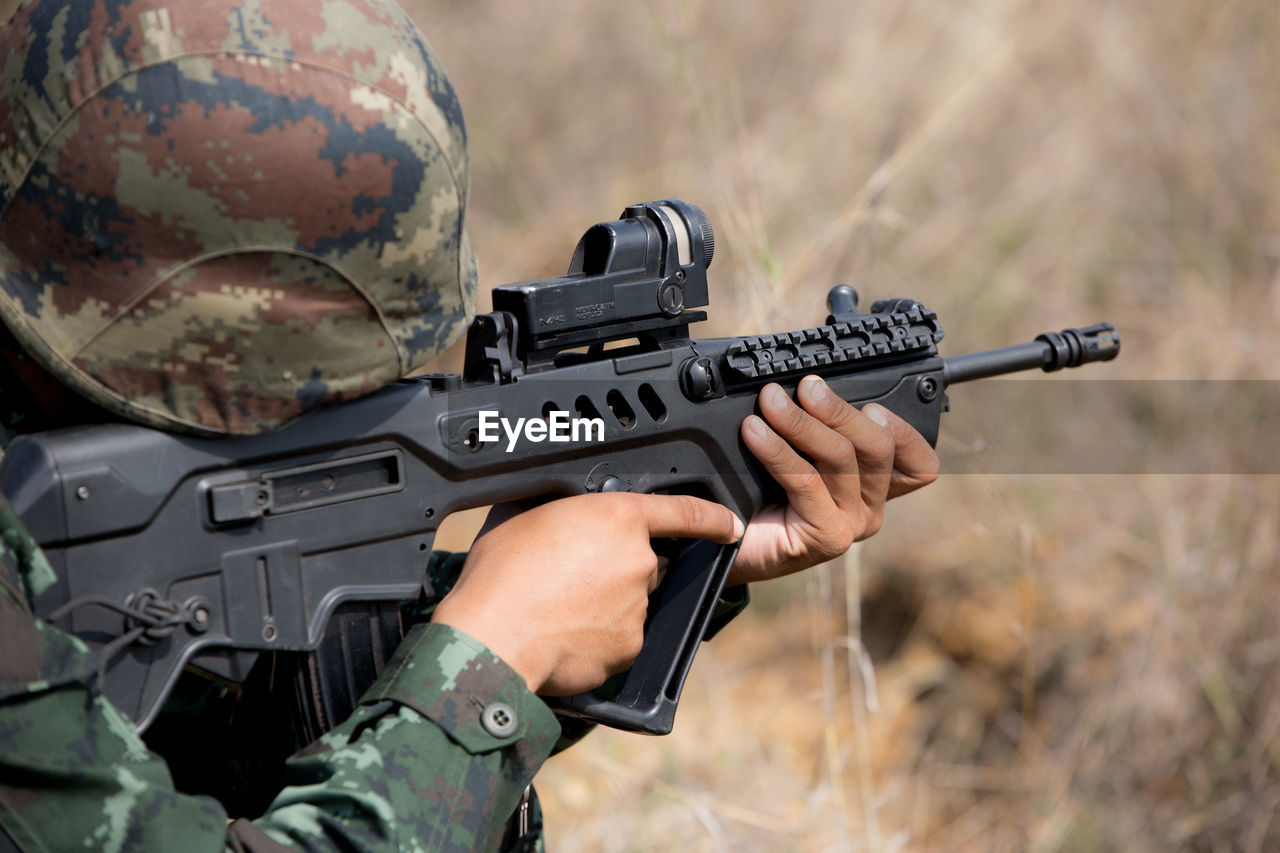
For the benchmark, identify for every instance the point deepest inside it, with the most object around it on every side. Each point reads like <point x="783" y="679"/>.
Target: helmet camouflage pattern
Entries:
<point x="217" y="215"/>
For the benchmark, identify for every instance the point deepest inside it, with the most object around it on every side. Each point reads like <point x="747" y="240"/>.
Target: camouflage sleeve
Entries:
<point x="437" y="755"/>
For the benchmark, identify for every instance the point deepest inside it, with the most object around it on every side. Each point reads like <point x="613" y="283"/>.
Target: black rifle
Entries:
<point x="173" y="551"/>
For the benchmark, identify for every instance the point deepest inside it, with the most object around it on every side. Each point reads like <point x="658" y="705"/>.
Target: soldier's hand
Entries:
<point x="857" y="460"/>
<point x="560" y="591"/>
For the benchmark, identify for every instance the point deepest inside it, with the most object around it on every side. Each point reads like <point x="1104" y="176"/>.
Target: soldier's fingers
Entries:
<point x="802" y="429"/>
<point x="687" y="517"/>
<point x="807" y="493"/>
<point x="867" y="440"/>
<point x="815" y="434"/>
<point x="915" y="463"/>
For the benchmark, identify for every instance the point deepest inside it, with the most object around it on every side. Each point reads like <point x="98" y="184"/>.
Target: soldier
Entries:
<point x="216" y="216"/>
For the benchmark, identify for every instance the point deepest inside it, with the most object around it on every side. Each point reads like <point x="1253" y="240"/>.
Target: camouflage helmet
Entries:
<point x="216" y="215"/>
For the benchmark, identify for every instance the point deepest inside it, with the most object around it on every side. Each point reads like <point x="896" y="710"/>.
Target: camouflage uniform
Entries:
<point x="414" y="768"/>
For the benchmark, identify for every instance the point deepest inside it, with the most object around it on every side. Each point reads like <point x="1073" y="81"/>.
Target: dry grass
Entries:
<point x="1060" y="662"/>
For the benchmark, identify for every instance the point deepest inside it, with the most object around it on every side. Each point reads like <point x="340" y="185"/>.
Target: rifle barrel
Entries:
<point x="1049" y="352"/>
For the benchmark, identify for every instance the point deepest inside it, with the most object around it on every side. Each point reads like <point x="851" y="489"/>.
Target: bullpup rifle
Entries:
<point x="174" y="551"/>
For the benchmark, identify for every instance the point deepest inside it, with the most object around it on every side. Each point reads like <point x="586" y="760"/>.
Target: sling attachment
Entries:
<point x="147" y="619"/>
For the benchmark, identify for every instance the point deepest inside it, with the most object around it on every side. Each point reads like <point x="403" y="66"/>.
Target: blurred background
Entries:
<point x="1021" y="660"/>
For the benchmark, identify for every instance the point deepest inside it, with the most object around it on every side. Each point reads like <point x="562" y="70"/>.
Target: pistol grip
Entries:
<point x="678" y="620"/>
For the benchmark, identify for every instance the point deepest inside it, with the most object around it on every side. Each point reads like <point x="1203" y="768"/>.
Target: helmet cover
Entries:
<point x="217" y="215"/>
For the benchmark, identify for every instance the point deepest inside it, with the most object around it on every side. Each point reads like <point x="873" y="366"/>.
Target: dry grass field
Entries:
<point x="1022" y="660"/>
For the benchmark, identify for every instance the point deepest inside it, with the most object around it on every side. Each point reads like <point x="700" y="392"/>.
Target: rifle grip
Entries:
<point x="650" y="690"/>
